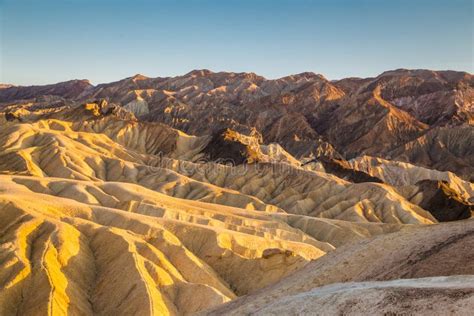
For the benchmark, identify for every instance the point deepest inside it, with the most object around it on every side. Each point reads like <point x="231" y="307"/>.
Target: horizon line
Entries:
<point x="11" y="85"/>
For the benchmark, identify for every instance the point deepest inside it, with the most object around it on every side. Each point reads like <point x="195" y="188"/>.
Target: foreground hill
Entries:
<point x="362" y="275"/>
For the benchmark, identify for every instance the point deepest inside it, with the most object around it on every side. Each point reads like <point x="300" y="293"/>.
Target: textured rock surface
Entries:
<point x="442" y="295"/>
<point x="443" y="202"/>
<point x="340" y="168"/>
<point x="414" y="253"/>
<point x="400" y="114"/>
<point x="119" y="198"/>
<point x="99" y="192"/>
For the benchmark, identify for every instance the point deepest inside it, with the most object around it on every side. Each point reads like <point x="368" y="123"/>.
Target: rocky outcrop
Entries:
<point x="229" y="146"/>
<point x="443" y="202"/>
<point x="9" y="116"/>
<point x="340" y="168"/>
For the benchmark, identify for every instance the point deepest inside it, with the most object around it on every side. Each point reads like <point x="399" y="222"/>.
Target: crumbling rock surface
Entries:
<point x="443" y="202"/>
<point x="342" y="169"/>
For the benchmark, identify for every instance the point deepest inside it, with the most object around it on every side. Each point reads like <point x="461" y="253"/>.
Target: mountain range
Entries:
<point x="229" y="193"/>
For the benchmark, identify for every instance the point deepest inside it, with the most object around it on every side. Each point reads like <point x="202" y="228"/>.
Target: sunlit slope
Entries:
<point x="399" y="173"/>
<point x="108" y="215"/>
<point x="106" y="210"/>
<point x="128" y="240"/>
<point x="53" y="148"/>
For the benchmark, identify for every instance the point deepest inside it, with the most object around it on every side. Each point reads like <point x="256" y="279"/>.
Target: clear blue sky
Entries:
<point x="51" y="41"/>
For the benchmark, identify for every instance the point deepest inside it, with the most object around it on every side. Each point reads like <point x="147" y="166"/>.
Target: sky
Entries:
<point x="50" y="41"/>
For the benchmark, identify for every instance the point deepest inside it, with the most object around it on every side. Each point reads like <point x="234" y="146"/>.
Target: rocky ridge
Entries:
<point x="240" y="189"/>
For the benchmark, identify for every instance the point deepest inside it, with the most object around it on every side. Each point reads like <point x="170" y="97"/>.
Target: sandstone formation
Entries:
<point x="228" y="193"/>
<point x="340" y="168"/>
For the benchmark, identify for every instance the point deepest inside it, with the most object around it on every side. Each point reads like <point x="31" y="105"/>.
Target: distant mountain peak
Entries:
<point x="138" y="77"/>
<point x="199" y="72"/>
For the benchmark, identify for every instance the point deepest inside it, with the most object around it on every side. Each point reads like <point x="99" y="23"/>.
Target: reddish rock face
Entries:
<point x="433" y="97"/>
<point x="394" y="115"/>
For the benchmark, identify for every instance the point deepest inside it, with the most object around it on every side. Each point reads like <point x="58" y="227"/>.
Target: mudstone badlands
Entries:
<point x="217" y="193"/>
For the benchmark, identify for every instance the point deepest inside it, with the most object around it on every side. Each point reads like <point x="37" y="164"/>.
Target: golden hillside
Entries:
<point x="102" y="214"/>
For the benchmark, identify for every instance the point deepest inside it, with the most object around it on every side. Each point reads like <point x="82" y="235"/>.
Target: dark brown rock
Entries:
<point x="443" y="202"/>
